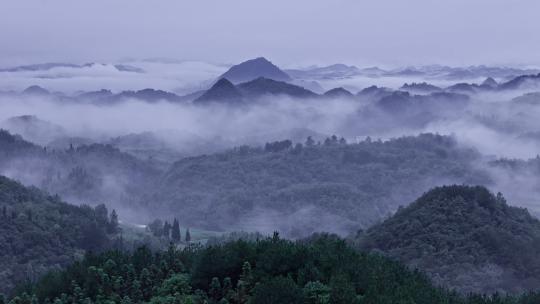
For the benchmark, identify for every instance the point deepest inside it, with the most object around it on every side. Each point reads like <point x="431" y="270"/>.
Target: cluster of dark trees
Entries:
<point x="464" y="237"/>
<point x="319" y="270"/>
<point x="284" y="145"/>
<point x="277" y="146"/>
<point x="172" y="232"/>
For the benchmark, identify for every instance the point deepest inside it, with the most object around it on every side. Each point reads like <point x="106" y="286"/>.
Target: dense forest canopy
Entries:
<point x="272" y="270"/>
<point x="302" y="188"/>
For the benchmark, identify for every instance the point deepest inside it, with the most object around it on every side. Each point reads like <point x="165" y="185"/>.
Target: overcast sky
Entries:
<point x="290" y="33"/>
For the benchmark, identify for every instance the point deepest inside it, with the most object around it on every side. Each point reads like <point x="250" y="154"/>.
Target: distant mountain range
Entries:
<point x="328" y="72"/>
<point x="259" y="77"/>
<point x="52" y="65"/>
<point x="340" y="71"/>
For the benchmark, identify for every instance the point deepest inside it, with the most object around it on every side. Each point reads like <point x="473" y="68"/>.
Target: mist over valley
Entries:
<point x="253" y="153"/>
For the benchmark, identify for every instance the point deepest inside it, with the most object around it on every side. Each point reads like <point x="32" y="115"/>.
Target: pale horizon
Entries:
<point x="303" y="33"/>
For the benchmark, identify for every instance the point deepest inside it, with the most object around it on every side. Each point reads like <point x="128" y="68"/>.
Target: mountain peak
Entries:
<point x="35" y="90"/>
<point x="261" y="60"/>
<point x="222" y="83"/>
<point x="222" y="91"/>
<point x="253" y="69"/>
<point x="490" y="82"/>
<point x="338" y="93"/>
<point x="265" y="86"/>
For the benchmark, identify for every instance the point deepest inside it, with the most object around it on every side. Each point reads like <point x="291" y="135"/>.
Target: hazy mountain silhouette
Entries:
<point x="51" y="65"/>
<point x="221" y="91"/>
<point x="33" y="128"/>
<point x="490" y="82"/>
<point x="253" y="69"/>
<point x="521" y="82"/>
<point x="35" y="90"/>
<point x="264" y="86"/>
<point x="327" y="72"/>
<point x="338" y="93"/>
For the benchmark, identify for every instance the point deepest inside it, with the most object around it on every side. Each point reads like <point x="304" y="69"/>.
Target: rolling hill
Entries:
<point x="463" y="237"/>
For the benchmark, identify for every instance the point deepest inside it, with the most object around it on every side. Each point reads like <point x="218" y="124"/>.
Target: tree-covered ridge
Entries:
<point x="464" y="237"/>
<point x="272" y="270"/>
<point x="12" y="144"/>
<point x="39" y="232"/>
<point x="301" y="188"/>
<point x="88" y="173"/>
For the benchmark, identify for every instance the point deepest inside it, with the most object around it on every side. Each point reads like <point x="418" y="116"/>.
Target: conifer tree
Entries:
<point x="167" y="230"/>
<point x="112" y="227"/>
<point x="175" y="234"/>
<point x="228" y="292"/>
<point x="188" y="236"/>
<point x="215" y="289"/>
<point x="136" y="292"/>
<point x="145" y="280"/>
<point x="309" y="141"/>
<point x="102" y="214"/>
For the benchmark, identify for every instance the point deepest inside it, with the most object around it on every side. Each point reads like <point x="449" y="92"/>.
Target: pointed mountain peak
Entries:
<point x="490" y="82"/>
<point x="338" y="93"/>
<point x="222" y="91"/>
<point x="253" y="69"/>
<point x="260" y="60"/>
<point x="222" y="83"/>
<point x="35" y="90"/>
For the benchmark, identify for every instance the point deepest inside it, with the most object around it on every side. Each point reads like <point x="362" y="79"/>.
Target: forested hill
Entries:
<point x="303" y="188"/>
<point x="321" y="270"/>
<point x="39" y="232"/>
<point x="464" y="237"/>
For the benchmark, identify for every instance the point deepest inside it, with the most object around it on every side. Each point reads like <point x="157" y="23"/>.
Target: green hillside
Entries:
<point x="39" y="232"/>
<point x="463" y="237"/>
